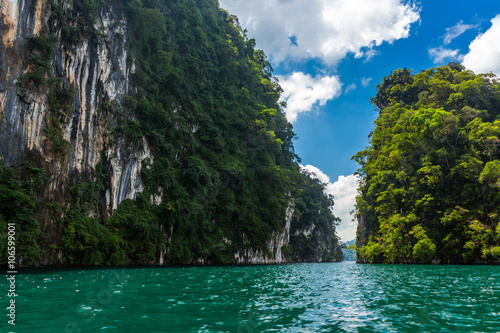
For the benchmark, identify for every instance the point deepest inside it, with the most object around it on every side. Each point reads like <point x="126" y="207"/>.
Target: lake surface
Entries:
<point x="327" y="297"/>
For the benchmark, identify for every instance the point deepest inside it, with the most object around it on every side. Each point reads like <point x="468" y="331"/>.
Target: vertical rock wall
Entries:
<point x="98" y="73"/>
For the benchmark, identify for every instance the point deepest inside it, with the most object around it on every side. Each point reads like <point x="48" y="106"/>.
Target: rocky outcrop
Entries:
<point x="274" y="246"/>
<point x="99" y="75"/>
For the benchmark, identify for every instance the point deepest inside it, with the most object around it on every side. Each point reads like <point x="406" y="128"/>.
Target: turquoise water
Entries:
<point x="336" y="297"/>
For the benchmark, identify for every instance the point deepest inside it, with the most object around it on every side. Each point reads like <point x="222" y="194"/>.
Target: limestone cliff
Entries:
<point x="166" y="104"/>
<point x="275" y="246"/>
<point x="99" y="75"/>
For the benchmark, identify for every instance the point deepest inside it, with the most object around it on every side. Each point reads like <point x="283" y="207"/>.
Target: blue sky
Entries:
<point x="329" y="55"/>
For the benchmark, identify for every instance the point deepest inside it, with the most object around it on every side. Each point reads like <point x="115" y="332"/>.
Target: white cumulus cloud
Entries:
<point x="484" y="51"/>
<point x="441" y="54"/>
<point x="302" y="92"/>
<point x="317" y="173"/>
<point x="344" y="192"/>
<point x="325" y="29"/>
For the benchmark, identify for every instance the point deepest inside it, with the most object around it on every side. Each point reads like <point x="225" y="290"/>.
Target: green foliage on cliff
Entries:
<point x="76" y="22"/>
<point x="131" y="236"/>
<point x="431" y="174"/>
<point x="208" y="106"/>
<point x="41" y="51"/>
<point x="39" y="77"/>
<point x="312" y="232"/>
<point x="205" y="101"/>
<point x="19" y="199"/>
<point x="59" y="103"/>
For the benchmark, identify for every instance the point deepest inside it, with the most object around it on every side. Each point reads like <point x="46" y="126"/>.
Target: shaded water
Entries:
<point x="336" y="297"/>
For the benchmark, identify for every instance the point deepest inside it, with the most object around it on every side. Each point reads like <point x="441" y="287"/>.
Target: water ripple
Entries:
<point x="340" y="297"/>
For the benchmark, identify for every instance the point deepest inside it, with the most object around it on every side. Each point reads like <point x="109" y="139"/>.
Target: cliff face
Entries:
<point x="275" y="246"/>
<point x="99" y="74"/>
<point x="362" y="234"/>
<point x="68" y="84"/>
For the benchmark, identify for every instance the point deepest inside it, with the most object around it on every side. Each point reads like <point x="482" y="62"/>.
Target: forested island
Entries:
<point x="148" y="132"/>
<point x="431" y="174"/>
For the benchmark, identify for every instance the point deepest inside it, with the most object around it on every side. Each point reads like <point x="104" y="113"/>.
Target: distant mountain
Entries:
<point x="349" y="254"/>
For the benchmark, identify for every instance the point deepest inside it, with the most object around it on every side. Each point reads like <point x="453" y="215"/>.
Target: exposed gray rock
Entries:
<point x="275" y="244"/>
<point x="98" y="73"/>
